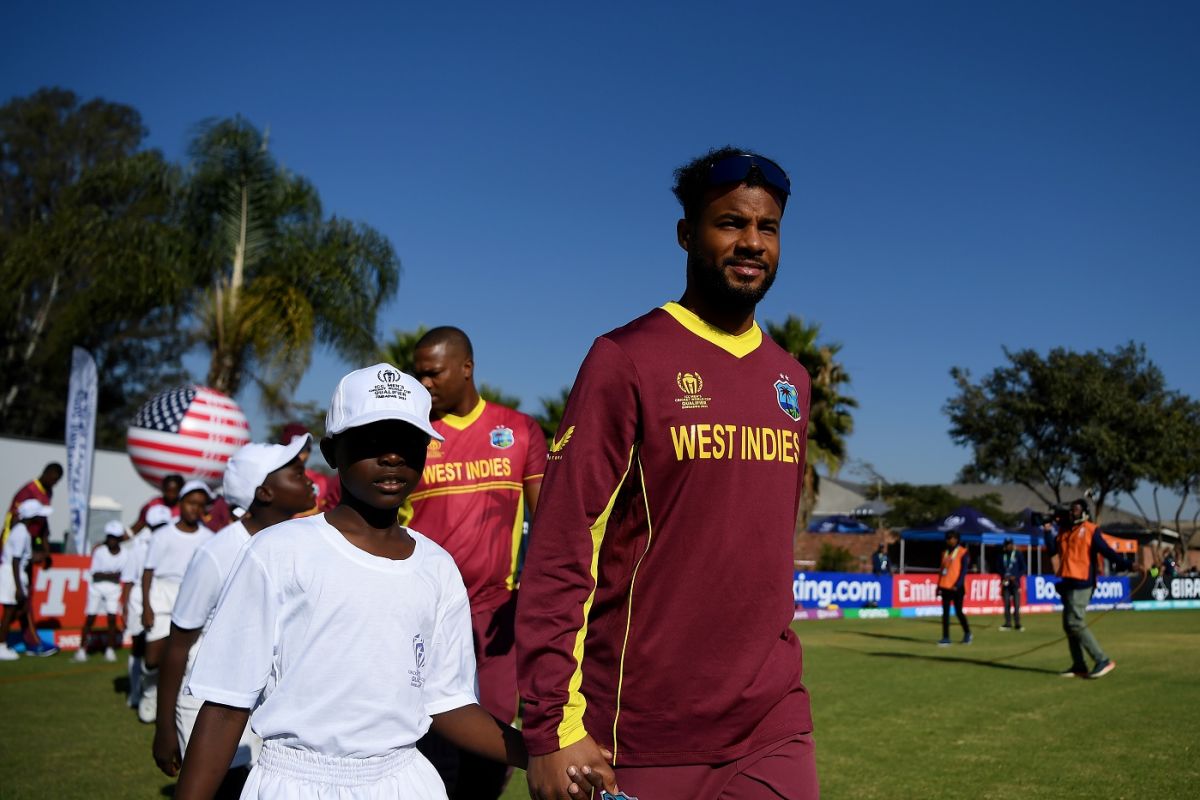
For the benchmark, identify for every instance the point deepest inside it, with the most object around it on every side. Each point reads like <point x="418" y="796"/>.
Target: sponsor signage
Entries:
<point x="60" y="593"/>
<point x="909" y="591"/>
<point x="1162" y="589"/>
<point x="841" y="590"/>
<point x="1043" y="589"/>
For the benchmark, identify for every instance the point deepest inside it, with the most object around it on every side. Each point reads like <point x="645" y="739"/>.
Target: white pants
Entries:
<point x="133" y="611"/>
<point x="162" y="602"/>
<point x="8" y="586"/>
<point x="104" y="597"/>
<point x="287" y="773"/>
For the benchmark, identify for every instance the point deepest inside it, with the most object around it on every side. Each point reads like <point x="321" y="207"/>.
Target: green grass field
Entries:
<point x="896" y="716"/>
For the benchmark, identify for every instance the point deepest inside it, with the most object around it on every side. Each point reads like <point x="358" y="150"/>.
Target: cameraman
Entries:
<point x="1077" y="547"/>
<point x="1011" y="566"/>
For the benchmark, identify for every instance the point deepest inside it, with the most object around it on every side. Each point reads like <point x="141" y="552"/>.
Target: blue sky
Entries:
<point x="968" y="176"/>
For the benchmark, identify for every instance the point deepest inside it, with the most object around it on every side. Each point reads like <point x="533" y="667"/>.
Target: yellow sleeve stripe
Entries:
<point x="490" y="486"/>
<point x="517" y="529"/>
<point x="571" y="729"/>
<point x="629" y="609"/>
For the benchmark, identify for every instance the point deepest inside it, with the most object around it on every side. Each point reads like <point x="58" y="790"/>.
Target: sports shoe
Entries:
<point x="1103" y="668"/>
<point x="1074" y="671"/>
<point x="80" y="655"/>
<point x="1005" y="627"/>
<point x="1021" y="628"/>
<point x="41" y="649"/>
<point x="8" y="654"/>
<point x="968" y="639"/>
<point x="944" y="642"/>
<point x="109" y="655"/>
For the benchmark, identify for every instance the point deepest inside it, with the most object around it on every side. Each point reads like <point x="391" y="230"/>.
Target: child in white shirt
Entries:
<point x="104" y="589"/>
<point x="347" y="634"/>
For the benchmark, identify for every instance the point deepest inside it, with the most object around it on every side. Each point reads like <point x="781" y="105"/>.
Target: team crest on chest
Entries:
<point x="434" y="450"/>
<point x="787" y="397"/>
<point x="502" y="437"/>
<point x="691" y="384"/>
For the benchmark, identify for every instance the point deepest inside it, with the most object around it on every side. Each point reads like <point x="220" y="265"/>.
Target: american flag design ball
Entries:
<point x="191" y="431"/>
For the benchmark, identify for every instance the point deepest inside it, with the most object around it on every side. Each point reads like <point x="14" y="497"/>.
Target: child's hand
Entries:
<point x="587" y="782"/>
<point x="147" y="618"/>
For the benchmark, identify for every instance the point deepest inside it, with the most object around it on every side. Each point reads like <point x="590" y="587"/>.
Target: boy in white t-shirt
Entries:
<point x="156" y="517"/>
<point x="347" y="634"/>
<point x="265" y="484"/>
<point x="166" y="562"/>
<point x="104" y="589"/>
<point x="15" y="558"/>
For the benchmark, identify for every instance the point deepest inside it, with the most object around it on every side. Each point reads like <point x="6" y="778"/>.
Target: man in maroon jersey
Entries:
<point x="656" y="601"/>
<point x="471" y="501"/>
<point x="42" y="490"/>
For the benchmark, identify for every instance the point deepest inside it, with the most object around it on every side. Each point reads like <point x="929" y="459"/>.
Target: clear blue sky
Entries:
<point x="968" y="176"/>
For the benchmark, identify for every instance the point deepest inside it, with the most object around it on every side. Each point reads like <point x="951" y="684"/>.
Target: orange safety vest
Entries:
<point x="952" y="562"/>
<point x="1075" y="552"/>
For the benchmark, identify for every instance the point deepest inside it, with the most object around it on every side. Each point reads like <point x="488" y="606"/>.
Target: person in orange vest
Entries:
<point x="1077" y="548"/>
<point x="951" y="587"/>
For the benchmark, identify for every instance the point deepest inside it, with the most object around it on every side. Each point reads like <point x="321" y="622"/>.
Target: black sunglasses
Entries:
<point x="734" y="169"/>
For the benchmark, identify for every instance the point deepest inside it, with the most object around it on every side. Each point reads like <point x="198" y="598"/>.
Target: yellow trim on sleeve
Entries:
<point x="464" y="422"/>
<point x="629" y="610"/>
<point x="517" y="529"/>
<point x="476" y="487"/>
<point x="740" y="345"/>
<point x="571" y="729"/>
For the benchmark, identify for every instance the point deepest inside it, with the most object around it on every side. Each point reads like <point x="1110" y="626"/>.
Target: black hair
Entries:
<point x="172" y="478"/>
<point x="53" y="467"/>
<point x="447" y="334"/>
<point x="691" y="180"/>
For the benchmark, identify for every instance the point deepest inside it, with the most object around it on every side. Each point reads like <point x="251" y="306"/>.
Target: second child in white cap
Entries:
<point x="166" y="561"/>
<point x="157" y="517"/>
<point x="16" y="557"/>
<point x="346" y="634"/>
<point x="265" y="484"/>
<point x="104" y="589"/>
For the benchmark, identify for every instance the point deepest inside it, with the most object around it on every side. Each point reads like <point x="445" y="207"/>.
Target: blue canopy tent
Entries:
<point x="973" y="528"/>
<point x="838" y="523"/>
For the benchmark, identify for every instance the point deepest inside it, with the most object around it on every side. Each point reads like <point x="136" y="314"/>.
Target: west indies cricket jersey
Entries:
<point x="657" y="594"/>
<point x="471" y="499"/>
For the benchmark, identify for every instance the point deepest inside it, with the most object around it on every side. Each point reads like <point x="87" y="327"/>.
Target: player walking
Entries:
<point x="104" y="589"/>
<point x="472" y="499"/>
<point x="656" y="602"/>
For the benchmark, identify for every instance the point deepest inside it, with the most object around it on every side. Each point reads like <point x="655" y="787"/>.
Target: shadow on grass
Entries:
<point x="121" y="685"/>
<point x="167" y="791"/>
<point x="892" y="636"/>
<point x="978" y="662"/>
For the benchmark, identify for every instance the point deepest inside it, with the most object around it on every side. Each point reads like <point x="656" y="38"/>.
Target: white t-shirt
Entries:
<point x="171" y="549"/>
<point x="135" y="561"/>
<point x="19" y="544"/>
<point x="212" y="563"/>
<point x="338" y="651"/>
<point x="104" y="561"/>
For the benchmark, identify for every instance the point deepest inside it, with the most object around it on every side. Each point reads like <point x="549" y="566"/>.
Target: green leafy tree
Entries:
<point x="494" y="394"/>
<point x="91" y="254"/>
<point x="1096" y="419"/>
<point x="283" y="276"/>
<point x="1175" y="465"/>
<point x="925" y="504"/>
<point x="550" y="415"/>
<point x="399" y="352"/>
<point x="829" y="418"/>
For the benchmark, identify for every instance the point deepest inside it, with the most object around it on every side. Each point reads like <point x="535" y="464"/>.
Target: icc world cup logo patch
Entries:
<point x="787" y="397"/>
<point x="691" y="384"/>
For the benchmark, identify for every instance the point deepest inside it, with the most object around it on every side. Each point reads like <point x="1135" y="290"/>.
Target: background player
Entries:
<point x="166" y="562"/>
<point x="16" y="557"/>
<point x="171" y="484"/>
<point x="104" y="590"/>
<point x="131" y="595"/>
<point x="656" y="602"/>
<point x="361" y="625"/>
<point x="42" y="490"/>
<point x="472" y="500"/>
<point x="265" y="484"/>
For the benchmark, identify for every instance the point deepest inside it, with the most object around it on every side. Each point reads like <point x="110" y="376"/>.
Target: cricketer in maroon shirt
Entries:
<point x="42" y="490"/>
<point x="656" y="602"/>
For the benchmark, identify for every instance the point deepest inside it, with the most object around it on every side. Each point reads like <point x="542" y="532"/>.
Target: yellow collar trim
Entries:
<point x="464" y="422"/>
<point x="740" y="345"/>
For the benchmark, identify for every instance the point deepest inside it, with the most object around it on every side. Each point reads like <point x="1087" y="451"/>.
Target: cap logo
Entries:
<point x="389" y="386"/>
<point x="388" y="376"/>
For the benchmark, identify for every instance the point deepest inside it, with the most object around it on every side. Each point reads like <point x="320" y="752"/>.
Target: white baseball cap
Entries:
<point x="114" y="528"/>
<point x="249" y="467"/>
<point x="158" y="515"/>
<point x="196" y="486"/>
<point x="31" y="508"/>
<point x="375" y="394"/>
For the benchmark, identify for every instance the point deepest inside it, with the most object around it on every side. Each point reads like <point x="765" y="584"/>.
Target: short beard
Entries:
<point x="709" y="280"/>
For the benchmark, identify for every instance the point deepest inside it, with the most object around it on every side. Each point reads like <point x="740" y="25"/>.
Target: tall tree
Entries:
<point x="283" y="276"/>
<point x="829" y="417"/>
<point x="399" y="353"/>
<point x="1096" y="418"/>
<point x="91" y="254"/>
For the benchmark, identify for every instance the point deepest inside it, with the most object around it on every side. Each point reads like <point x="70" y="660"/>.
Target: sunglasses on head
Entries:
<point x="735" y="169"/>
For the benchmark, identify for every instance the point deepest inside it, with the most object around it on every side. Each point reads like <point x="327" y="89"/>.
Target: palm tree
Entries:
<point x="829" y="417"/>
<point x="399" y="352"/>
<point x="283" y="276"/>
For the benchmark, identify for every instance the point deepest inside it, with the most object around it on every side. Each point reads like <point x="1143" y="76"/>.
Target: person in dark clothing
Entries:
<point x="952" y="583"/>
<point x="1077" y="548"/>
<point x="881" y="564"/>
<point x="1011" y="566"/>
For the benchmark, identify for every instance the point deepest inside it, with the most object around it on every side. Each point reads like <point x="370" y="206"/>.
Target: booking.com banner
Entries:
<point x="841" y="590"/>
<point x="1109" y="591"/>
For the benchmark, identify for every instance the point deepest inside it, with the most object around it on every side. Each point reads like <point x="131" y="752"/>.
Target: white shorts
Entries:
<point x="133" y="611"/>
<point x="162" y="602"/>
<point x="187" y="708"/>
<point x="286" y="773"/>
<point x="104" y="597"/>
<point x="8" y="587"/>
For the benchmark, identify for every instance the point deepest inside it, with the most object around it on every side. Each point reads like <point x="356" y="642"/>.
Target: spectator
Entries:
<point x="881" y="564"/>
<point x="1011" y="566"/>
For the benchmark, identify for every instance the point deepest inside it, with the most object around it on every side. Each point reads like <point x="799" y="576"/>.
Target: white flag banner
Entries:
<point x="81" y="439"/>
